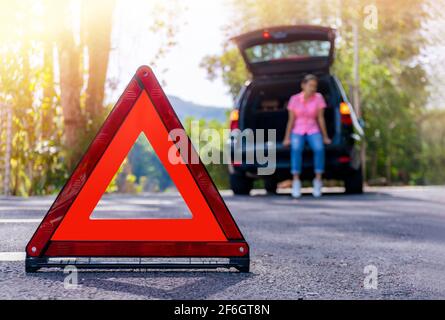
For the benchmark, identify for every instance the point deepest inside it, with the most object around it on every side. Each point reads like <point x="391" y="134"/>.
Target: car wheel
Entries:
<point x="240" y="184"/>
<point x="270" y="184"/>
<point x="354" y="182"/>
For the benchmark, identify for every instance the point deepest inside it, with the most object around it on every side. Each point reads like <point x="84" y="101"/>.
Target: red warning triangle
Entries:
<point x="67" y="229"/>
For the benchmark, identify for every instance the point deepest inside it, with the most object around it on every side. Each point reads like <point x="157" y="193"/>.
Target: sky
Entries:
<point x="200" y="34"/>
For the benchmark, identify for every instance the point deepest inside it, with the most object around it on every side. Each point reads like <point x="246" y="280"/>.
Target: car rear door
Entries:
<point x="287" y="49"/>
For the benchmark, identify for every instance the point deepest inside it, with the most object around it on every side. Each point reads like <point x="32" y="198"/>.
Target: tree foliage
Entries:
<point x="53" y="70"/>
<point x="36" y="162"/>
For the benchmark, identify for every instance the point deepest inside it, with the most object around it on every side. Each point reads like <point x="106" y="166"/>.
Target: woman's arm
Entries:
<point x="322" y="123"/>
<point x="290" y="124"/>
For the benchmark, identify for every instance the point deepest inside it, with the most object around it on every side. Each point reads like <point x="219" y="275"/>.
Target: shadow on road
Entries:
<point x="338" y="195"/>
<point x="155" y="285"/>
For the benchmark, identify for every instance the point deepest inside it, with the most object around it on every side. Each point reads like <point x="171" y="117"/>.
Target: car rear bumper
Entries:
<point x="340" y="161"/>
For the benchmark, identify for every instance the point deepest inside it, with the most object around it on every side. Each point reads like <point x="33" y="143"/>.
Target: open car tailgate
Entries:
<point x="287" y="49"/>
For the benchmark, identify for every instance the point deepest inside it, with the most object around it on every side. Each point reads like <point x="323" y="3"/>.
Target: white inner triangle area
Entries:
<point x="141" y="189"/>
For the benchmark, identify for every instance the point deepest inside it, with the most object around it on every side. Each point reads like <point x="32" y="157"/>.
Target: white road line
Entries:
<point x="12" y="256"/>
<point x="20" y="220"/>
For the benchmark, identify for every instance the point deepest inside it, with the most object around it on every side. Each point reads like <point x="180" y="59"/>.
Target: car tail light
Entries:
<point x="237" y="163"/>
<point x="345" y="112"/>
<point x="234" y="120"/>
<point x="266" y="34"/>
<point x="344" y="159"/>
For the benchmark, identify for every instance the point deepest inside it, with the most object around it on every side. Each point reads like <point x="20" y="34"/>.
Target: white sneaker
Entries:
<point x="296" y="189"/>
<point x="317" y="185"/>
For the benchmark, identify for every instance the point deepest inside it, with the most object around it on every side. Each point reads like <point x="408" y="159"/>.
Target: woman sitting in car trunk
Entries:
<point x="307" y="124"/>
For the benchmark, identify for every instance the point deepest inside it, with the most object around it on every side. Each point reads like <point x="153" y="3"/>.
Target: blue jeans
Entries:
<point x="298" y="142"/>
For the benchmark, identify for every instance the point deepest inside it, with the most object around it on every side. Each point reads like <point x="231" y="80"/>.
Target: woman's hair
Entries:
<point x="309" y="77"/>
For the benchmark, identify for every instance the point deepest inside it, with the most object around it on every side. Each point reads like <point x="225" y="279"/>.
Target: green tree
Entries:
<point x="36" y="131"/>
<point x="57" y="99"/>
<point x="217" y="171"/>
<point x="432" y="133"/>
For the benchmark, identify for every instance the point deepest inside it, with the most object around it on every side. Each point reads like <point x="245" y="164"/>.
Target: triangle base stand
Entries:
<point x="242" y="264"/>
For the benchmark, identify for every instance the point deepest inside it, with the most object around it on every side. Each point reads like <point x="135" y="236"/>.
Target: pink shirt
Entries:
<point x="306" y="113"/>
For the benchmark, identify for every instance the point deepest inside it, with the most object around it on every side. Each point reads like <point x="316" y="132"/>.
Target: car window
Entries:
<point x="269" y="105"/>
<point x="288" y="51"/>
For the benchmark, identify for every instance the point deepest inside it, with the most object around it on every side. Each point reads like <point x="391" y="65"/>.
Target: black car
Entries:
<point x="278" y="58"/>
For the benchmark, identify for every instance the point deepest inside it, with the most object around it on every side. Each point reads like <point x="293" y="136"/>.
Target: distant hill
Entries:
<point x="186" y="109"/>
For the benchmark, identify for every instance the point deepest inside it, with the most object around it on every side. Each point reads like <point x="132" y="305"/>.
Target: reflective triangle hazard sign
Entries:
<point x="68" y="232"/>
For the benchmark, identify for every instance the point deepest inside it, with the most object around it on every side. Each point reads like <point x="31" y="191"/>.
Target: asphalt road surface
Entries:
<point x="301" y="249"/>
